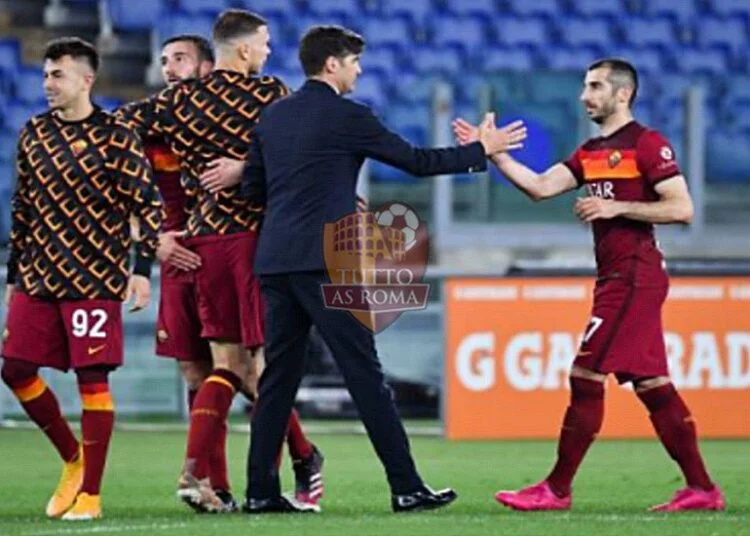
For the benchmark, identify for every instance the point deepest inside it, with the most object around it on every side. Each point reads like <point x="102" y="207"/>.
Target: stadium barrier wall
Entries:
<point x="510" y="343"/>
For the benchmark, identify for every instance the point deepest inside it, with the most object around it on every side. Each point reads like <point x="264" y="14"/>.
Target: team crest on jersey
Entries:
<point x="78" y="146"/>
<point x="615" y="158"/>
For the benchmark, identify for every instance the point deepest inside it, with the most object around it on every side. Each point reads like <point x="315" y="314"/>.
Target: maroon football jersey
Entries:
<point x="626" y="166"/>
<point x="166" y="168"/>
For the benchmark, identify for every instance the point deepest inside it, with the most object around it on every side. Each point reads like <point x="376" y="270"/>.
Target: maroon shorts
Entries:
<point x="178" y="327"/>
<point x="64" y="334"/>
<point x="229" y="302"/>
<point x="624" y="335"/>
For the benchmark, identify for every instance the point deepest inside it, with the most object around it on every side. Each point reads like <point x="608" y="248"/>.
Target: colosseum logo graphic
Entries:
<point x="376" y="262"/>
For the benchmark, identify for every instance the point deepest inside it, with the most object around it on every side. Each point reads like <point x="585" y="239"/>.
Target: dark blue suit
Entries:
<point x="306" y="155"/>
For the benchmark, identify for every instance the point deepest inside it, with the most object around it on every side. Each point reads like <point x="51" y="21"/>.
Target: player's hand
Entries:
<point x="593" y="208"/>
<point x="499" y="140"/>
<point x="172" y="252"/>
<point x="139" y="291"/>
<point x="222" y="173"/>
<point x="9" y="289"/>
<point x="464" y="131"/>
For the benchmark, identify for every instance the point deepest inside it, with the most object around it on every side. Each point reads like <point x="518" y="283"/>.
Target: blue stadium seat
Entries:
<point x="708" y="61"/>
<point x="8" y="143"/>
<point x="645" y="60"/>
<point x="383" y="60"/>
<point x="643" y="32"/>
<point x="211" y="7"/>
<point x="506" y="86"/>
<point x="416" y="10"/>
<point x="547" y="8"/>
<point x="546" y="87"/>
<point x="538" y="150"/>
<point x="680" y="11"/>
<point x="741" y="119"/>
<point x="731" y="7"/>
<point x="727" y="32"/>
<point x="404" y="115"/>
<point x="432" y="59"/>
<point x="526" y="31"/>
<point x="727" y="156"/>
<point x="570" y="58"/>
<point x="643" y="111"/>
<point x="414" y="88"/>
<point x="285" y="8"/>
<point x="107" y="103"/>
<point x="17" y="115"/>
<point x="10" y="57"/>
<point x="738" y="89"/>
<point x="347" y="8"/>
<point x="7" y="180"/>
<point x="182" y="23"/>
<point x="510" y="59"/>
<point x="466" y="32"/>
<point x="30" y="84"/>
<point x="672" y="87"/>
<point x="391" y="31"/>
<point x="484" y="8"/>
<point x="611" y="8"/>
<point x="579" y="31"/>
<point x="302" y="23"/>
<point x="132" y="15"/>
<point x="371" y="90"/>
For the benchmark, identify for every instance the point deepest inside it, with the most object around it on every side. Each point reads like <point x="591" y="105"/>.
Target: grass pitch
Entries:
<point x="617" y="483"/>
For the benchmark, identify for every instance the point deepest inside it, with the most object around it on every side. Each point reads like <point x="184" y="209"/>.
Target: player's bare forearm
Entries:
<point x="662" y="211"/>
<point x="556" y="180"/>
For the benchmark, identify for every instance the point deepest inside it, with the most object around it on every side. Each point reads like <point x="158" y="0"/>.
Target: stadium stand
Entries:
<point x="532" y="53"/>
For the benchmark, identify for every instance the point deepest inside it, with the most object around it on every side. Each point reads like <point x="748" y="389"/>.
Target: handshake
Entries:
<point x="494" y="140"/>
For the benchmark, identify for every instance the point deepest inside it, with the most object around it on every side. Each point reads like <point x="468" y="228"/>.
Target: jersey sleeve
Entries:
<point x="147" y="117"/>
<point x="573" y="163"/>
<point x="20" y="208"/>
<point x="135" y="181"/>
<point x="655" y="157"/>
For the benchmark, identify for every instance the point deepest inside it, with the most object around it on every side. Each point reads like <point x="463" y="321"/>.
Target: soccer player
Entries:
<point x="204" y="120"/>
<point x="81" y="175"/>
<point x="178" y="326"/>
<point x="633" y="182"/>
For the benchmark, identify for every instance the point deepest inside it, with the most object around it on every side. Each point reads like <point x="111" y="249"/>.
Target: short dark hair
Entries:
<point x="321" y="42"/>
<point x="205" y="50"/>
<point x="74" y="47"/>
<point x="234" y="23"/>
<point x="622" y="73"/>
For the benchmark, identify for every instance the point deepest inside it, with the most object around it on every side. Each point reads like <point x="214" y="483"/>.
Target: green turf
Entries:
<point x="618" y="481"/>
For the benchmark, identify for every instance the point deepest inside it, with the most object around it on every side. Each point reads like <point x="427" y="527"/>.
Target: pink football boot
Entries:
<point x="537" y="497"/>
<point x="693" y="499"/>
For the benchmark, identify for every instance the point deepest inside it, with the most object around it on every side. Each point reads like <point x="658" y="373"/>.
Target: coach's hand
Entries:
<point x="593" y="208"/>
<point x="495" y="140"/>
<point x="172" y="252"/>
<point x="139" y="291"/>
<point x="222" y="173"/>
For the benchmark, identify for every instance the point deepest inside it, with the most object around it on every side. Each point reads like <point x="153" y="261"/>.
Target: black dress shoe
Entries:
<point x="275" y="505"/>
<point x="422" y="499"/>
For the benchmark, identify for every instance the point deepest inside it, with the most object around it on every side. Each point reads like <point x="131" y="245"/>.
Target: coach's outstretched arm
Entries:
<point x="557" y="180"/>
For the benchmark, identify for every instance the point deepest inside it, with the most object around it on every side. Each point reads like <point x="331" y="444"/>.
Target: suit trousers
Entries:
<point x="294" y="302"/>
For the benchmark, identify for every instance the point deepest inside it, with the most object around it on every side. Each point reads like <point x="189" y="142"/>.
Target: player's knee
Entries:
<point x="15" y="371"/>
<point x="95" y="374"/>
<point x="194" y="373"/>
<point x="645" y="384"/>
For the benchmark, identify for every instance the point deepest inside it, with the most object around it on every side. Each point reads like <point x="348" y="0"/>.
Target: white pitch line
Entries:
<point x="107" y="528"/>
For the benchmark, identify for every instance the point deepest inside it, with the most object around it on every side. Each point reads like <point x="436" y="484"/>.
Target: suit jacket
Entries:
<point x="304" y="161"/>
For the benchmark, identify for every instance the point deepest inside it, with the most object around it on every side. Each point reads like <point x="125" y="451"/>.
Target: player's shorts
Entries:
<point x="229" y="301"/>
<point x="178" y="327"/>
<point x="64" y="334"/>
<point x="625" y="335"/>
